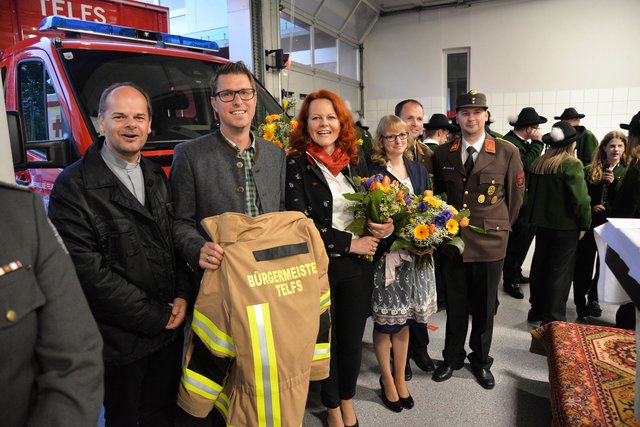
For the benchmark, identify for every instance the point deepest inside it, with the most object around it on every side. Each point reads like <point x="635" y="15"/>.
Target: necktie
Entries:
<point x="468" y="164"/>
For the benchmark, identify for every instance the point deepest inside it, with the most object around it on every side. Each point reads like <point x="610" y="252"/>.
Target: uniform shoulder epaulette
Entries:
<point x="505" y="141"/>
<point x="11" y="186"/>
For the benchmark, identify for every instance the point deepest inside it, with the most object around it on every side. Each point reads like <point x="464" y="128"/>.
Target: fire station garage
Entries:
<point x="554" y="60"/>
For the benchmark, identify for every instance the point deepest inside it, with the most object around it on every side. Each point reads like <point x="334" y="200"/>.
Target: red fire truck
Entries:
<point x="55" y="70"/>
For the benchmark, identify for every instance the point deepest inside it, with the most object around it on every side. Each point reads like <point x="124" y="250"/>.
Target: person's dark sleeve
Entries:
<point x="187" y="239"/>
<point x="530" y="153"/>
<point x="578" y="194"/>
<point x="112" y="298"/>
<point x="69" y="388"/>
<point x="627" y="203"/>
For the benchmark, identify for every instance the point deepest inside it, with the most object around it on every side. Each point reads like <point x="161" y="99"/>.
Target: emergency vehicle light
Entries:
<point x="61" y="23"/>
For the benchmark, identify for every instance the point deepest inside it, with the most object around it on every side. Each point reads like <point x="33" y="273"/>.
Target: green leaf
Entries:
<point x="457" y="242"/>
<point x="358" y="226"/>
<point x="476" y="229"/>
<point x="463" y="212"/>
<point x="375" y="198"/>
<point x="355" y="197"/>
<point x="401" y="244"/>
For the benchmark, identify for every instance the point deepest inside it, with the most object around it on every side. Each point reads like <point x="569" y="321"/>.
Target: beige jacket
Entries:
<point x="261" y="322"/>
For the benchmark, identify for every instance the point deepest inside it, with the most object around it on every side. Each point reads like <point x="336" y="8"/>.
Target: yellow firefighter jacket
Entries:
<point x="261" y="322"/>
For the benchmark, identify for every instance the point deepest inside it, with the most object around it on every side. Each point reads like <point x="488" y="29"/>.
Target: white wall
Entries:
<point x="549" y="54"/>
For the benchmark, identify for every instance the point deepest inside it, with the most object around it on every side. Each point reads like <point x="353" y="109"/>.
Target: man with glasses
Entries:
<point x="229" y="170"/>
<point x="526" y="136"/>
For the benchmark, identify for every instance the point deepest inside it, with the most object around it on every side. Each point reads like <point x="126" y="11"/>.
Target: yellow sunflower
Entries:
<point x="268" y="131"/>
<point x="421" y="232"/>
<point x="433" y="201"/>
<point x="272" y="118"/>
<point x="452" y="226"/>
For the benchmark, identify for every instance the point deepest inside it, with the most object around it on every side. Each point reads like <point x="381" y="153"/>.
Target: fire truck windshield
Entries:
<point x="178" y="88"/>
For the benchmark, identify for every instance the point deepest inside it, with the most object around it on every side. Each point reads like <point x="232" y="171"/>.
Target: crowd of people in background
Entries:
<point x="139" y="248"/>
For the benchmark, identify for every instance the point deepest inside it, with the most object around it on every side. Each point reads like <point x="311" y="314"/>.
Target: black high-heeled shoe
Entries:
<point x="394" y="406"/>
<point x="407" y="402"/>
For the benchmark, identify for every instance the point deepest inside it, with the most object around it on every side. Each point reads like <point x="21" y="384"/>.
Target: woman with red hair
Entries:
<point x="323" y="159"/>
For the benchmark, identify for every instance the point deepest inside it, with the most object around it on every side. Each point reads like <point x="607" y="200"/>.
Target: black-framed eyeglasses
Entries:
<point x="230" y="95"/>
<point x="401" y="136"/>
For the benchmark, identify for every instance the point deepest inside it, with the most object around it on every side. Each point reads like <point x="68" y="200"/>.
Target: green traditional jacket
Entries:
<point x="560" y="201"/>
<point x="528" y="153"/>
<point x="598" y="194"/>
<point x="586" y="146"/>
<point x="627" y="204"/>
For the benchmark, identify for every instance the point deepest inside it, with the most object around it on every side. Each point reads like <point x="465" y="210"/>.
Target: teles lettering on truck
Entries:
<point x="21" y="18"/>
<point x="54" y="84"/>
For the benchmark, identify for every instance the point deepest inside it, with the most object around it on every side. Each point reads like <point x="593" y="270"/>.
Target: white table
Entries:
<point x="616" y="285"/>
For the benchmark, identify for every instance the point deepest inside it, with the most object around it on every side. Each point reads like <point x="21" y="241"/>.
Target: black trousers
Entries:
<point x="351" y="282"/>
<point x="143" y="393"/>
<point x="552" y="272"/>
<point x="472" y="288"/>
<point x="520" y="238"/>
<point x="584" y="280"/>
<point x="418" y="338"/>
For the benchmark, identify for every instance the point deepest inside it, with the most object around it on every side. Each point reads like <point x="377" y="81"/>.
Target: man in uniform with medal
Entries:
<point x="486" y="176"/>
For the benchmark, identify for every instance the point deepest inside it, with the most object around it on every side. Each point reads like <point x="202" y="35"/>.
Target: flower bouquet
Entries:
<point x="429" y="223"/>
<point x="377" y="199"/>
<point x="276" y="128"/>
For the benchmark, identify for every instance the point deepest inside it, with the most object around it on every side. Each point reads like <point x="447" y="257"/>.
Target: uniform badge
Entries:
<point x="520" y="180"/>
<point x="9" y="268"/>
<point x="491" y="190"/>
<point x="494" y="200"/>
<point x="455" y="146"/>
<point x="490" y="146"/>
<point x="481" y="198"/>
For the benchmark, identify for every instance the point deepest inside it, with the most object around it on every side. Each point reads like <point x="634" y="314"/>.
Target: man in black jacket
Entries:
<point x="112" y="209"/>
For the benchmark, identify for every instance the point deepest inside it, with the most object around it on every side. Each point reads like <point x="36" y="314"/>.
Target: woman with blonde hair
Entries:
<point x="603" y="177"/>
<point x="559" y="207"/>
<point x="403" y="294"/>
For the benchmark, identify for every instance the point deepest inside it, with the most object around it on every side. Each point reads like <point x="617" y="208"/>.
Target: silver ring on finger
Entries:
<point x="207" y="258"/>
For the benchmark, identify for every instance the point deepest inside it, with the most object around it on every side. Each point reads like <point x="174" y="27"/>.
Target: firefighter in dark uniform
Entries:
<point x="51" y="353"/>
<point x="485" y="176"/>
<point x="527" y="137"/>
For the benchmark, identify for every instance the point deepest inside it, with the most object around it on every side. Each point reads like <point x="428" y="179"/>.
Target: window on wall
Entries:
<point x="349" y="63"/>
<point x="457" y="72"/>
<point x="311" y="46"/>
<point x="295" y="39"/>
<point x="325" y="52"/>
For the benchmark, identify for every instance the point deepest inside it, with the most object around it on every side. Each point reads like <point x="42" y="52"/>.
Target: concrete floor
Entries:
<point x="520" y="398"/>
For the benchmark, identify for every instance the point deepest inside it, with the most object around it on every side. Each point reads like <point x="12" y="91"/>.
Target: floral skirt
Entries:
<point x="410" y="295"/>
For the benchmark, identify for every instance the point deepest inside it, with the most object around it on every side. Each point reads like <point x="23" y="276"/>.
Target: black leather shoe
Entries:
<point x="357" y="424"/>
<point x="408" y="373"/>
<point x="533" y="316"/>
<point x="443" y="373"/>
<point x="394" y="406"/>
<point x="423" y="361"/>
<point x="513" y="289"/>
<point x="407" y="402"/>
<point x="522" y="279"/>
<point x="594" y="309"/>
<point x="484" y="377"/>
